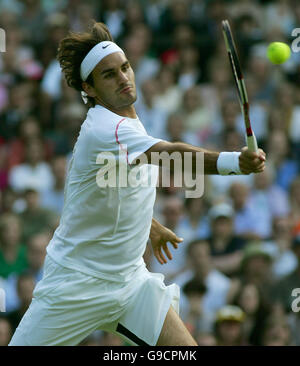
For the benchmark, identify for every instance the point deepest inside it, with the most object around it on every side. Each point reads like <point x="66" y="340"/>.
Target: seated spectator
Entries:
<point x="34" y="173"/>
<point x="277" y="332"/>
<point x="3" y="167"/>
<point x="194" y="224"/>
<point x="226" y="247"/>
<point x="25" y="287"/>
<point x="229" y="326"/>
<point x="200" y="266"/>
<point x="196" y="319"/>
<point x="282" y="289"/>
<point x="21" y="101"/>
<point x="172" y="212"/>
<point x="154" y="118"/>
<point x="246" y="224"/>
<point x="278" y="151"/>
<point x="35" y="218"/>
<point x="280" y="248"/>
<point x="36" y="252"/>
<point x="176" y="131"/>
<point x="9" y="201"/>
<point x="188" y="67"/>
<point x="53" y="199"/>
<point x="29" y="130"/>
<point x="197" y="115"/>
<point x="294" y="323"/>
<point x="12" y="251"/>
<point x="169" y="95"/>
<point x="256" y="268"/>
<point x="251" y="300"/>
<point x="294" y="198"/>
<point x="5" y="331"/>
<point x="269" y="201"/>
<point x="136" y="46"/>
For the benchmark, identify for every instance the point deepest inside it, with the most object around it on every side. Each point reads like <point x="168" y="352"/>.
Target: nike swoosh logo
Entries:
<point x="105" y="46"/>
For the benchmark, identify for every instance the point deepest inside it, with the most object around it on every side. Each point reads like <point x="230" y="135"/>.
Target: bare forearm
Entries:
<point x="210" y="157"/>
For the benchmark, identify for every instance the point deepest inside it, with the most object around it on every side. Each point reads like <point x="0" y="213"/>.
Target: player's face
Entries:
<point x="114" y="84"/>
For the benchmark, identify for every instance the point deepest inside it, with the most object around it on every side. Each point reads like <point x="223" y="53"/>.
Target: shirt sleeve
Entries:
<point x="133" y="139"/>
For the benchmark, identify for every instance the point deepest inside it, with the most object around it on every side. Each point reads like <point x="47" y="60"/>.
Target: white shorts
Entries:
<point x="69" y="305"/>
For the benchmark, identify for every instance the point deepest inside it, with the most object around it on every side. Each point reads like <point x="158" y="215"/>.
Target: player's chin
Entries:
<point x="129" y="97"/>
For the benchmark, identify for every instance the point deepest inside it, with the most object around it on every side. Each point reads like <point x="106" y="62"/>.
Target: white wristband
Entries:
<point x="228" y="163"/>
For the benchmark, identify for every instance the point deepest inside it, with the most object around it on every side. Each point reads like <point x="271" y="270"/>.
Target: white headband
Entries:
<point x="96" y="54"/>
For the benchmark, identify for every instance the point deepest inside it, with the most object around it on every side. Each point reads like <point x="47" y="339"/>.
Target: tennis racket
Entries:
<point x="240" y="84"/>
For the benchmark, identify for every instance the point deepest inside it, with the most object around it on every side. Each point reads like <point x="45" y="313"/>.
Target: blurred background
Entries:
<point x="240" y="260"/>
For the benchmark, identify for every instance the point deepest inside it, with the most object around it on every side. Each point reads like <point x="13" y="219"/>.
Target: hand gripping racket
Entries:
<point x="240" y="84"/>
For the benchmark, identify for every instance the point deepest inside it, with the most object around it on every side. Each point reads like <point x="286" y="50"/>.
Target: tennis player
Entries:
<point x="94" y="273"/>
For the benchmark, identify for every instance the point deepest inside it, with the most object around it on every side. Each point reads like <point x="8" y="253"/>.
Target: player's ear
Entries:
<point x="89" y="89"/>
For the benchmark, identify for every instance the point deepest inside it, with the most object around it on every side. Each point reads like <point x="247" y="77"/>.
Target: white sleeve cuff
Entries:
<point x="228" y="163"/>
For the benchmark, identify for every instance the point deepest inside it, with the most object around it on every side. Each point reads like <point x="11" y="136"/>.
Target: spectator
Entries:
<point x="200" y="266"/>
<point x="246" y="224"/>
<point x="172" y="212"/>
<point x="12" y="251"/>
<point x="35" y="173"/>
<point x="5" y="331"/>
<point x="29" y="130"/>
<point x="278" y="153"/>
<point x="282" y="289"/>
<point x="226" y="247"/>
<point x="294" y="198"/>
<point x="154" y="118"/>
<point x="196" y="319"/>
<point x="188" y="67"/>
<point x="53" y="199"/>
<point x="3" y="167"/>
<point x="113" y="16"/>
<point x="169" y="95"/>
<point x="256" y="268"/>
<point x="277" y="333"/>
<point x="194" y="224"/>
<point x="251" y="300"/>
<point x="197" y="115"/>
<point x="176" y="130"/>
<point x="229" y="326"/>
<point x="25" y="286"/>
<point x="36" y="252"/>
<point x="137" y="46"/>
<point x="35" y="218"/>
<point x="269" y="200"/>
<point x="280" y="248"/>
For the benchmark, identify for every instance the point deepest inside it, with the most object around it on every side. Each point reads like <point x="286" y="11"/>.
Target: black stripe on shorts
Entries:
<point x="127" y="333"/>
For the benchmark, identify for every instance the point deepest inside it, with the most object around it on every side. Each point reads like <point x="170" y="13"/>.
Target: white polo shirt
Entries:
<point x="103" y="231"/>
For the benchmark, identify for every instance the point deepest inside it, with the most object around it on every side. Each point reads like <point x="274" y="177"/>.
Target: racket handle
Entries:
<point x="252" y="143"/>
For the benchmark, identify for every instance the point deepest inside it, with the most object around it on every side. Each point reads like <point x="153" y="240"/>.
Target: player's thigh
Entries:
<point x="174" y="332"/>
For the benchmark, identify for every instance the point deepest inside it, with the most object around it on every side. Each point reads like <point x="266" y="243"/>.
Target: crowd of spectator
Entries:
<point x="240" y="259"/>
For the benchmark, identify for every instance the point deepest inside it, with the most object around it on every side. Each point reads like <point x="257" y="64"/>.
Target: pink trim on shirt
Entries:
<point x="117" y="139"/>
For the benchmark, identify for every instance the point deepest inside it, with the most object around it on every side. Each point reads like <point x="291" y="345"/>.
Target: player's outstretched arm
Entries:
<point x="224" y="163"/>
<point x="160" y="236"/>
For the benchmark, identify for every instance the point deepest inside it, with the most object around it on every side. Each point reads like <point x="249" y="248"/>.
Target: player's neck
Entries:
<point x="128" y="111"/>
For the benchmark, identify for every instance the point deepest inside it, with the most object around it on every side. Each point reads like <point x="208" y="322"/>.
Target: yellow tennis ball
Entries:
<point x="278" y="52"/>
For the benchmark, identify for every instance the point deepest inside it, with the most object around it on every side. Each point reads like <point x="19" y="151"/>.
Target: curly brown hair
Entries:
<point x="72" y="50"/>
